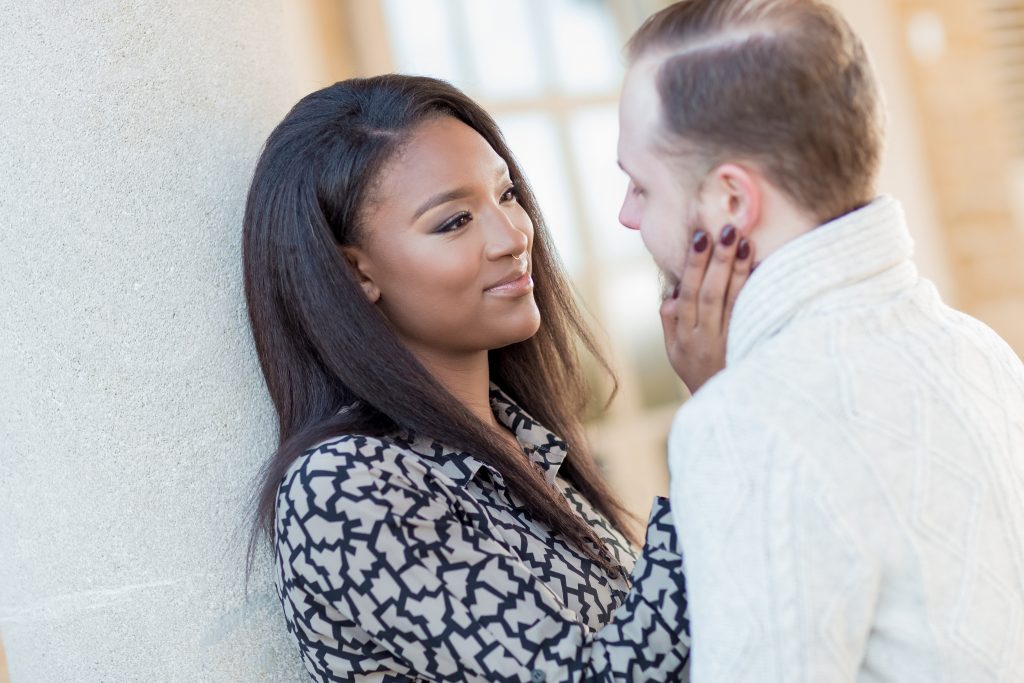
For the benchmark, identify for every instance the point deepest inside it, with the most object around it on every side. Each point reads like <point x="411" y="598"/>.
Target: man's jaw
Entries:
<point x="669" y="284"/>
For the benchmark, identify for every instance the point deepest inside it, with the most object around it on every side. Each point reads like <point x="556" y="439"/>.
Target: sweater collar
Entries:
<point x="849" y="250"/>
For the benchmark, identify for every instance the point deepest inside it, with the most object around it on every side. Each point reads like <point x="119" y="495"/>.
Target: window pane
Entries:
<point x="533" y="139"/>
<point x="594" y="138"/>
<point x="586" y="46"/>
<point x="502" y="48"/>
<point x="424" y="40"/>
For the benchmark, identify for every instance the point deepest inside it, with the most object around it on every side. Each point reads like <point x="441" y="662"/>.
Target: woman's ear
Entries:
<point x="735" y="196"/>
<point x="361" y="266"/>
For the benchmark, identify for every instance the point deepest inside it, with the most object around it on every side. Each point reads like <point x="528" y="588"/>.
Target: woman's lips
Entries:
<point x="521" y="285"/>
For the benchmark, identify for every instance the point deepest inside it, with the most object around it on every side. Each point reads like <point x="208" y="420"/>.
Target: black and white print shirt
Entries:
<point x="401" y="560"/>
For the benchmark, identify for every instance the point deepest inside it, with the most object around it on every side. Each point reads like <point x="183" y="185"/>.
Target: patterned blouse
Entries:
<point x="401" y="560"/>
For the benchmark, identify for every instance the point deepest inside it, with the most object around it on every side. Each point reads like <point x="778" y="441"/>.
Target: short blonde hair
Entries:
<point x="784" y="83"/>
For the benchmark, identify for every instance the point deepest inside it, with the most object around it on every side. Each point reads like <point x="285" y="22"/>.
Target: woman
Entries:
<point x="435" y="511"/>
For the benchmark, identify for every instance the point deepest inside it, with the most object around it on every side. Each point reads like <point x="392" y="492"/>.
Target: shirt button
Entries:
<point x="537" y="676"/>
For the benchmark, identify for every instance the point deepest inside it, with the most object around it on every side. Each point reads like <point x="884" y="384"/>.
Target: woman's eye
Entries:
<point x="455" y="223"/>
<point x="511" y="194"/>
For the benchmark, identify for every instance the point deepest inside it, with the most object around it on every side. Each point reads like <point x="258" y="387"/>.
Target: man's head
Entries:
<point x="763" y="114"/>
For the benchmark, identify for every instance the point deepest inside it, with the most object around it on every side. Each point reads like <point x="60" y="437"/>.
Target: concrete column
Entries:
<point x="133" y="416"/>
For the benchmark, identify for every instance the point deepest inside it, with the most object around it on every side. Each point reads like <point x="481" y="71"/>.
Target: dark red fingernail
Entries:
<point x="728" y="236"/>
<point x="675" y="292"/>
<point x="743" y="251"/>
<point x="700" y="241"/>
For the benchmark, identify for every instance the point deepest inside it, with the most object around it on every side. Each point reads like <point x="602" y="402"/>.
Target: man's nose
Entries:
<point x="629" y="214"/>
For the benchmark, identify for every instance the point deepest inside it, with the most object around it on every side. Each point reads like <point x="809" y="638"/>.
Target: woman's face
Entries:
<point x="446" y="247"/>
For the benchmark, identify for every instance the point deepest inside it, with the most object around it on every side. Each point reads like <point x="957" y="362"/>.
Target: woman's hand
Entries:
<point x="695" y="317"/>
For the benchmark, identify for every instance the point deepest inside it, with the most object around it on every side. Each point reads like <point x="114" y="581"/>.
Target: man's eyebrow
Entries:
<point x="452" y="195"/>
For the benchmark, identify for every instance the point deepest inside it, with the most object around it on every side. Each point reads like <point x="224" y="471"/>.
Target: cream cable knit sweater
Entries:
<point x="849" y="491"/>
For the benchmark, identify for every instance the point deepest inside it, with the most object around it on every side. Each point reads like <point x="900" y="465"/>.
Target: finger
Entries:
<point x="669" y="312"/>
<point x="697" y="256"/>
<point x="741" y="269"/>
<point x="693" y="357"/>
<point x="713" y="291"/>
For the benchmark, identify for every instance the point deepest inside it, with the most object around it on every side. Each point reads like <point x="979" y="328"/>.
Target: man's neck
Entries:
<point x="781" y="221"/>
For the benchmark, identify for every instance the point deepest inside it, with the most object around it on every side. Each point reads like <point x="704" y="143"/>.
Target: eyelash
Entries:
<point x="459" y="220"/>
<point x="455" y="222"/>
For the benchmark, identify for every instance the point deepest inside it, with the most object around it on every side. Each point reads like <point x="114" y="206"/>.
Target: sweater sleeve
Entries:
<point x="448" y="602"/>
<point x="781" y="583"/>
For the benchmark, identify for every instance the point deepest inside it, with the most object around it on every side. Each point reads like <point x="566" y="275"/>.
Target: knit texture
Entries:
<point x="849" y="491"/>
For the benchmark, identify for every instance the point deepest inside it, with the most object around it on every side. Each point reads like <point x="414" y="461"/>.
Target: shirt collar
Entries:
<point x="859" y="246"/>
<point x="459" y="466"/>
<point x="541" y="446"/>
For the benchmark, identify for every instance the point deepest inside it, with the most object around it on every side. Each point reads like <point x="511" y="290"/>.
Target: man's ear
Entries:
<point x="734" y="197"/>
<point x="361" y="266"/>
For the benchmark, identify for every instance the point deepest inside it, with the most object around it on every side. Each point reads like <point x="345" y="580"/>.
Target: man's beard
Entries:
<point x="669" y="284"/>
<point x="668" y="280"/>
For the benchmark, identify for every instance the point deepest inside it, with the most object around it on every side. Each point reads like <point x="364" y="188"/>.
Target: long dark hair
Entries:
<point x="323" y="346"/>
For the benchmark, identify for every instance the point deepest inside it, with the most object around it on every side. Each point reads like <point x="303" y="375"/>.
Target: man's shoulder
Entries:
<point x="839" y="381"/>
<point x="759" y="386"/>
<point x="776" y="402"/>
<point x="739" y="404"/>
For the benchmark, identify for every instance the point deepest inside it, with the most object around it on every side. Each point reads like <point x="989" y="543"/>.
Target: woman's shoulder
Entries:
<point x="353" y="470"/>
<point x="354" y="455"/>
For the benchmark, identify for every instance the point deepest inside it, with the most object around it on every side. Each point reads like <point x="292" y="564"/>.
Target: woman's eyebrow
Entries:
<point x="441" y="198"/>
<point x="451" y="195"/>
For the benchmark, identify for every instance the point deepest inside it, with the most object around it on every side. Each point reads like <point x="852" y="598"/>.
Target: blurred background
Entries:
<point x="550" y="72"/>
<point x="168" y="418"/>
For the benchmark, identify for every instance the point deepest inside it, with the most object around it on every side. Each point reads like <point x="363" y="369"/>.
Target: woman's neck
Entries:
<point x="467" y="377"/>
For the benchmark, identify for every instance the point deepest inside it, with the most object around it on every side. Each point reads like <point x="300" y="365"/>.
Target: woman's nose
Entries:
<point x="508" y="237"/>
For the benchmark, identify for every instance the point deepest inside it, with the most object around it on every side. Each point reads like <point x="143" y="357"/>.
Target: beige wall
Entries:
<point x="949" y="157"/>
<point x="134" y="414"/>
<point x="905" y="172"/>
<point x="964" y="119"/>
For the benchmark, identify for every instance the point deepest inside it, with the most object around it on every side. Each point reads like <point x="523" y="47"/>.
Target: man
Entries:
<point x="849" y="490"/>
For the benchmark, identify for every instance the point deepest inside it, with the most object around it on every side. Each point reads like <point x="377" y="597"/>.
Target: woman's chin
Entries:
<point x="519" y="332"/>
